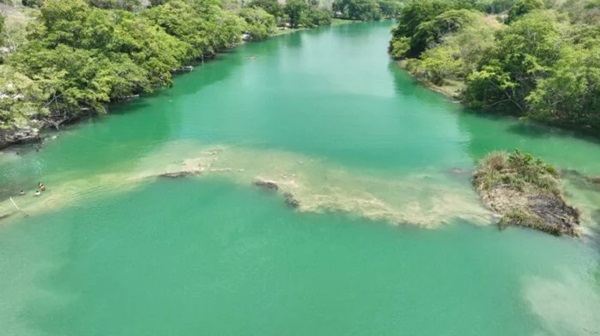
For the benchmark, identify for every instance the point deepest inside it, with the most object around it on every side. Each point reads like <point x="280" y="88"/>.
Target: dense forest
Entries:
<point x="366" y="10"/>
<point x="538" y="60"/>
<point x="64" y="59"/>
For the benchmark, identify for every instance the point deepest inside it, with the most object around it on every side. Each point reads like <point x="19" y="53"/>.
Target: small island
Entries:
<point x="526" y="192"/>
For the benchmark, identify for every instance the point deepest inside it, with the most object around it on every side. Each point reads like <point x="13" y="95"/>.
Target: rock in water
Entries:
<point x="557" y="216"/>
<point x="291" y="200"/>
<point x="267" y="185"/>
<point x="179" y="174"/>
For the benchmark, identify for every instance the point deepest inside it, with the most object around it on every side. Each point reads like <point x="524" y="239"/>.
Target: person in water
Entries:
<point x="41" y="186"/>
<point x="38" y="193"/>
<point x="22" y="192"/>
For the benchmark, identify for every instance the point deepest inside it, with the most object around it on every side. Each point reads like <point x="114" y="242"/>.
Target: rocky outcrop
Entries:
<point x="272" y="186"/>
<point x="20" y="135"/>
<point x="179" y="174"/>
<point x="266" y="184"/>
<point x="290" y="200"/>
<point x="185" y="68"/>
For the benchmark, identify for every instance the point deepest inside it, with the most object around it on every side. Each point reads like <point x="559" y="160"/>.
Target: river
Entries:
<point x="388" y="239"/>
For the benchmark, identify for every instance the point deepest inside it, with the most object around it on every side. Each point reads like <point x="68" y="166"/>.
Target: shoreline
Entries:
<point x="445" y="90"/>
<point x="34" y="133"/>
<point x="453" y="95"/>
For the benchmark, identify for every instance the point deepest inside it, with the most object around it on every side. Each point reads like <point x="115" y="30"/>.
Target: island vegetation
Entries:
<point x="526" y="192"/>
<point x="61" y="60"/>
<point x="534" y="59"/>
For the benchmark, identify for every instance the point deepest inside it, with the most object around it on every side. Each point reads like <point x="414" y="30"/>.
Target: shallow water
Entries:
<point x="389" y="237"/>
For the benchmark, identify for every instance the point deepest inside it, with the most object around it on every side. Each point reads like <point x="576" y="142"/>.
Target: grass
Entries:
<point x="518" y="171"/>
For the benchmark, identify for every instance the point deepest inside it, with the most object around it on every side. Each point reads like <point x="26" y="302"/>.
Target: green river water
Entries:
<point x="389" y="238"/>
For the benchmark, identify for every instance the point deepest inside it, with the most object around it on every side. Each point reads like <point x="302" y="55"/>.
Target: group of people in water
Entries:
<point x="41" y="188"/>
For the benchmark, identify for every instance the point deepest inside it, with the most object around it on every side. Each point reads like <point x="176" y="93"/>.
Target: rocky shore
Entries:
<point x="525" y="192"/>
<point x="17" y="136"/>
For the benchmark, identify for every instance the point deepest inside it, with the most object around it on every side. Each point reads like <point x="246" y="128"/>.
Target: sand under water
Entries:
<point x="426" y="199"/>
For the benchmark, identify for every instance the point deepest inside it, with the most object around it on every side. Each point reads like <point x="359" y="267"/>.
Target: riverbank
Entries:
<point x="33" y="131"/>
<point x="490" y="56"/>
<point x="451" y="88"/>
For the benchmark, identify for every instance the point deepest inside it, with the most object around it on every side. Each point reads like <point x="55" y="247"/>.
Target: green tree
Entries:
<point x="295" y="9"/>
<point x="358" y="9"/>
<point x="201" y="24"/>
<point x="462" y="39"/>
<point x="115" y="4"/>
<point x="33" y="3"/>
<point x="260" y="24"/>
<point x="389" y="8"/>
<point x="317" y="17"/>
<point x="2" y="30"/>
<point x="524" y="55"/>
<point x="22" y="98"/>
<point x="272" y="7"/>
<point x="96" y="56"/>
<point x="571" y="95"/>
<point x="412" y="15"/>
<point x="522" y="7"/>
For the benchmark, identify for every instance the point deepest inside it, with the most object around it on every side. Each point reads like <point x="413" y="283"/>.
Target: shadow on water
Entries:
<point x="293" y="40"/>
<point x="408" y="86"/>
<point x="531" y="129"/>
<point x="404" y="84"/>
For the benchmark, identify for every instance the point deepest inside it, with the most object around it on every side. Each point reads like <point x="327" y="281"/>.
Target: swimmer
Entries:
<point x="41" y="186"/>
<point x="38" y="193"/>
<point x="22" y="192"/>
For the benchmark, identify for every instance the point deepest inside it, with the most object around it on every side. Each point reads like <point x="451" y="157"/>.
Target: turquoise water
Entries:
<point x="389" y="238"/>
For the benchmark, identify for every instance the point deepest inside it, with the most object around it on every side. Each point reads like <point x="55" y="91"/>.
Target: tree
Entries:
<point x="412" y="15"/>
<point x="295" y="9"/>
<point x="571" y="95"/>
<point x="270" y="6"/>
<point x="21" y="99"/>
<point x="201" y="24"/>
<point x="96" y="56"/>
<point x="33" y="3"/>
<point x="116" y="4"/>
<point x="524" y="54"/>
<point x="458" y="41"/>
<point x="389" y="8"/>
<point x="522" y="7"/>
<point x="363" y="10"/>
<point x="2" y="30"/>
<point x="260" y="24"/>
<point x="317" y="17"/>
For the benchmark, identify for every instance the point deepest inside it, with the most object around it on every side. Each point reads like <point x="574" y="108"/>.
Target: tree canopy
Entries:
<point x="538" y="62"/>
<point x="79" y="55"/>
<point x="365" y="10"/>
